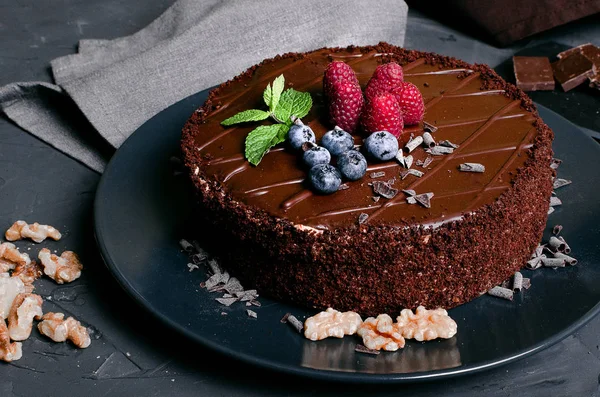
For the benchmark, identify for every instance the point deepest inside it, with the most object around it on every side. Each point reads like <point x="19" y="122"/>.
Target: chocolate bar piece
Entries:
<point x="572" y="70"/>
<point x="533" y="73"/>
<point x="592" y="53"/>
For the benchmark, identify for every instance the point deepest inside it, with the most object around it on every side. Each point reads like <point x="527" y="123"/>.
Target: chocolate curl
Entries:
<point x="408" y="172"/>
<point x="517" y="281"/>
<point x="569" y="260"/>
<point x="428" y="140"/>
<point x="428" y="160"/>
<point x="471" y="167"/>
<point x="294" y="322"/>
<point x="557" y="229"/>
<point x="424" y="199"/>
<point x="448" y="144"/>
<point x="567" y="249"/>
<point x="555" y="201"/>
<point x="538" y="251"/>
<point x="556" y="245"/>
<point x="555" y="163"/>
<point x="366" y="350"/>
<point x="413" y="144"/>
<point x="439" y="150"/>
<point x="429" y="127"/>
<point x="186" y="246"/>
<point x="535" y="263"/>
<point x="501" y="292"/>
<point x="553" y="262"/>
<point x="559" y="182"/>
<point x="362" y="218"/>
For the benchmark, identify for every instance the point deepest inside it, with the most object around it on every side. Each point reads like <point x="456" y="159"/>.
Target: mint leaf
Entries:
<point x="263" y="138"/>
<point x="246" y="115"/>
<point x="293" y="103"/>
<point x="268" y="95"/>
<point x="278" y="85"/>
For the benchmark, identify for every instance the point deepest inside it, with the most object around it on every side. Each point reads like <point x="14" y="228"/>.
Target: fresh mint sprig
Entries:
<point x="284" y="107"/>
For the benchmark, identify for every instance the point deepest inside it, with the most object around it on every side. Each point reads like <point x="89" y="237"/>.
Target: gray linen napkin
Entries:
<point x="119" y="84"/>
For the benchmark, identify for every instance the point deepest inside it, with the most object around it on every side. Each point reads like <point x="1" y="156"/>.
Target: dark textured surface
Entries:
<point x="39" y="183"/>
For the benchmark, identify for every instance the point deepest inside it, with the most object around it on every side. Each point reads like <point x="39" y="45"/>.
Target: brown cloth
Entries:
<point x="506" y="21"/>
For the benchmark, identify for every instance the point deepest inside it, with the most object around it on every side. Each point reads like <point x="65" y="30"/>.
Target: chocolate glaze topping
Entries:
<point x="490" y="127"/>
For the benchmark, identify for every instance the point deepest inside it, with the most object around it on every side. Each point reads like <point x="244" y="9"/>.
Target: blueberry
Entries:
<point x="298" y="134"/>
<point x="316" y="155"/>
<point x="352" y="165"/>
<point x="325" y="178"/>
<point x="337" y="141"/>
<point x="381" y="145"/>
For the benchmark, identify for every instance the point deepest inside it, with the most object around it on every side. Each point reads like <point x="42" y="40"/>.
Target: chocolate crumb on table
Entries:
<point x="533" y="73"/>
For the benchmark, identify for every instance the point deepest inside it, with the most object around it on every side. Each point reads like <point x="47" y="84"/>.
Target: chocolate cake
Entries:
<point x="295" y="245"/>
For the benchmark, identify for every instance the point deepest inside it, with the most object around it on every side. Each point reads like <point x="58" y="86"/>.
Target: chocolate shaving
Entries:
<point x="550" y="210"/>
<point x="538" y="251"/>
<point x="214" y="266"/>
<point x="559" y="182"/>
<point x="379" y="174"/>
<point x="428" y="140"/>
<point x="366" y="350"/>
<point x="409" y="192"/>
<point x="555" y="163"/>
<point x="226" y="301"/>
<point x="411" y="200"/>
<point x="439" y="150"/>
<point x="424" y="199"/>
<point x="400" y="157"/>
<point x="294" y="322"/>
<point x="448" y="144"/>
<point x="555" y="201"/>
<point x="186" y="246"/>
<point x="526" y="283"/>
<point x="384" y="189"/>
<point x="535" y="263"/>
<point x="408" y="161"/>
<point x="391" y="181"/>
<point x="567" y="249"/>
<point x="428" y="160"/>
<point x="233" y="286"/>
<point x="569" y="260"/>
<point x="517" y="281"/>
<point x="557" y="229"/>
<point x="429" y="127"/>
<point x="500" y="292"/>
<point x="255" y="303"/>
<point x="375" y="198"/>
<point x="413" y="144"/>
<point x="408" y="172"/>
<point x="556" y="245"/>
<point x="251" y="313"/>
<point x="362" y="218"/>
<point x="343" y="186"/>
<point x="553" y="262"/>
<point x="284" y="318"/>
<point x="471" y="167"/>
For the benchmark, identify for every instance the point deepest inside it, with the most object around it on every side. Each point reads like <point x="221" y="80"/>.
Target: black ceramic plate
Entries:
<point x="142" y="209"/>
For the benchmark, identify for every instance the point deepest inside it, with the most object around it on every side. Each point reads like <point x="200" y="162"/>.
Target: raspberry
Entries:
<point x="338" y="72"/>
<point x="385" y="78"/>
<point x="411" y="103"/>
<point x="345" y="105"/>
<point x="382" y="113"/>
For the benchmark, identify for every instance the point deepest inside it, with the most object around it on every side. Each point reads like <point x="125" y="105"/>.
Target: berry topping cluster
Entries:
<point x="388" y="104"/>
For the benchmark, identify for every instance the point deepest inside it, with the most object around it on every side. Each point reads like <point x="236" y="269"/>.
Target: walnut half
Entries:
<point x="62" y="269"/>
<point x="331" y="323"/>
<point x="10" y="287"/>
<point x="10" y="257"/>
<point x="426" y="324"/>
<point x="24" y="309"/>
<point x="35" y="232"/>
<point x="381" y="333"/>
<point x="8" y="351"/>
<point x="55" y="327"/>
